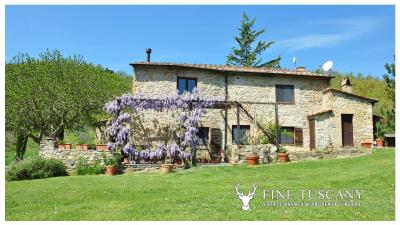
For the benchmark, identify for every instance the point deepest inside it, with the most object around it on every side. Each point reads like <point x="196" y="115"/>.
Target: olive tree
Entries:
<point x="51" y="93"/>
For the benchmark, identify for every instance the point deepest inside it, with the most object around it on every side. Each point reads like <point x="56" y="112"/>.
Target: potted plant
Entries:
<point x="283" y="155"/>
<point x="380" y="132"/>
<point x="101" y="147"/>
<point x="172" y="149"/>
<point x="111" y="164"/>
<point x="126" y="159"/>
<point x="63" y="145"/>
<point x="366" y="144"/>
<point x="178" y="161"/>
<point x="83" y="140"/>
<point x="252" y="159"/>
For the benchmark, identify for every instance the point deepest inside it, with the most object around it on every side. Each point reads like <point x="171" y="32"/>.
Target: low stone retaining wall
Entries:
<point x="48" y="149"/>
<point x="130" y="168"/>
<point x="268" y="153"/>
<point x="236" y="154"/>
<point x="70" y="157"/>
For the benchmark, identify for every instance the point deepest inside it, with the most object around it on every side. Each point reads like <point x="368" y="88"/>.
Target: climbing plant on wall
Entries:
<point x="190" y="108"/>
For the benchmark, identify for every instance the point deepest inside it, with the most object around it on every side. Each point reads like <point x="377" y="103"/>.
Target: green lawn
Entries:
<point x="32" y="149"/>
<point x="207" y="193"/>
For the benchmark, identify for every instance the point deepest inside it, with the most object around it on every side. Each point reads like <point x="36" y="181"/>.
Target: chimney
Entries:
<point x="346" y="85"/>
<point x="148" y="51"/>
<point x="300" y="69"/>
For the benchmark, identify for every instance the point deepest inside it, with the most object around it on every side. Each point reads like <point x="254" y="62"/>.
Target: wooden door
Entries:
<point x="312" y="133"/>
<point x="347" y="130"/>
<point x="216" y="142"/>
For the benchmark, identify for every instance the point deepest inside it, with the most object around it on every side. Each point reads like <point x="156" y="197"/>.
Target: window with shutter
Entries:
<point x="284" y="93"/>
<point x="286" y="136"/>
<point x="298" y="136"/>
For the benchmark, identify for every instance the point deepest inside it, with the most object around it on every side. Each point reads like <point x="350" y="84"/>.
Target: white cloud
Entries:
<point x="340" y="30"/>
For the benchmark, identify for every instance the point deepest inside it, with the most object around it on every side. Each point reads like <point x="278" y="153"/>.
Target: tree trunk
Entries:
<point x="60" y="133"/>
<point x="22" y="140"/>
<point x="194" y="160"/>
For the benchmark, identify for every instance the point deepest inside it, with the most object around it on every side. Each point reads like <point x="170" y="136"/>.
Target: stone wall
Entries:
<point x="267" y="153"/>
<point x="158" y="82"/>
<point x="323" y="130"/>
<point x="308" y="93"/>
<point x="362" y="117"/>
<point x="48" y="149"/>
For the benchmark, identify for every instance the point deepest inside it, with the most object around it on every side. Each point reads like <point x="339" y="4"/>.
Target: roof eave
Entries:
<point x="230" y="71"/>
<point x="372" y="100"/>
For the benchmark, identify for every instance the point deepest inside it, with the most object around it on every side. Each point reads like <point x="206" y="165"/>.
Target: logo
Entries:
<point x="245" y="198"/>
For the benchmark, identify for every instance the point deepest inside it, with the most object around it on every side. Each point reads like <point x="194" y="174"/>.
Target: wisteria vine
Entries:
<point x="191" y="107"/>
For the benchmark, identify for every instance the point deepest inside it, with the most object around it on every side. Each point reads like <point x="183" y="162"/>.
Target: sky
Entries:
<point x="356" y="38"/>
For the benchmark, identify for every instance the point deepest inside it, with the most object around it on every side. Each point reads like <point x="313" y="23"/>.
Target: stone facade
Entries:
<point x="310" y="97"/>
<point x="361" y="109"/>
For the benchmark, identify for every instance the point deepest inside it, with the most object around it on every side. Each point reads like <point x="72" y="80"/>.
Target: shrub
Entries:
<point x="36" y="168"/>
<point x="84" y="168"/>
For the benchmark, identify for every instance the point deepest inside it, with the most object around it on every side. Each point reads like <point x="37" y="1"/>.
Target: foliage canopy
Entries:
<point x="48" y="94"/>
<point x="248" y="52"/>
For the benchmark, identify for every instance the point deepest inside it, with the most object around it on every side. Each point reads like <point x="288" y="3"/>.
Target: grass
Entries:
<point x="32" y="149"/>
<point x="207" y="193"/>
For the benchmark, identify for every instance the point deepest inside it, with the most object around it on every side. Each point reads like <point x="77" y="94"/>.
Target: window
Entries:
<point x="186" y="84"/>
<point x="298" y="136"/>
<point x="203" y="135"/>
<point x="244" y="134"/>
<point x="286" y="135"/>
<point x="291" y="136"/>
<point x="284" y="93"/>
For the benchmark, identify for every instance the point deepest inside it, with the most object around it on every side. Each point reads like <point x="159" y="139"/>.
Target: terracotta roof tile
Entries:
<point x="320" y="112"/>
<point x="240" y="69"/>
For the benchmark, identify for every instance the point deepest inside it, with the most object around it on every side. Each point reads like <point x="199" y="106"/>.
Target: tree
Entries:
<point x="47" y="95"/>
<point x="390" y="113"/>
<point x="246" y="54"/>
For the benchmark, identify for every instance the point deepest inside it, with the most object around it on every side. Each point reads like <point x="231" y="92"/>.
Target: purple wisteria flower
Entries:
<point x="191" y="106"/>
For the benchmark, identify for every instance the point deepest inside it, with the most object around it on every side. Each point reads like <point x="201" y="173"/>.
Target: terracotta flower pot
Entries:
<point x="126" y="160"/>
<point x="178" y="162"/>
<point x="101" y="147"/>
<point x="252" y="160"/>
<point x="366" y="144"/>
<point x="283" y="157"/>
<point x="379" y="142"/>
<point x="111" y="170"/>
<point x="65" y="146"/>
<point x="215" y="160"/>
<point x="82" y="147"/>
<point x="167" y="168"/>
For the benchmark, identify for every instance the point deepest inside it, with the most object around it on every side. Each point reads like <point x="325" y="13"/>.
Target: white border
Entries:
<point x="184" y="2"/>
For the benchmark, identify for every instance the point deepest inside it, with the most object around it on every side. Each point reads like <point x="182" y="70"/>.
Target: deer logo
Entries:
<point x="245" y="198"/>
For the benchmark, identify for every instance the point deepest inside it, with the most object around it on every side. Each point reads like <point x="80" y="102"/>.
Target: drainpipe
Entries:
<point x="226" y="112"/>
<point x="277" y="127"/>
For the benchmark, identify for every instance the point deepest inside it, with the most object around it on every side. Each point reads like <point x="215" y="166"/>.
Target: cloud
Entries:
<point x="312" y="41"/>
<point x="338" y="31"/>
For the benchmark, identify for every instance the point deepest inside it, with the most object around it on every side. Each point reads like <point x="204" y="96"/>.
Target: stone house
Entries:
<point x="312" y="114"/>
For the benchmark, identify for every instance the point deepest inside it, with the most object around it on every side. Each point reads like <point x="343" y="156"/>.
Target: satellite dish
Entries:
<point x="327" y="66"/>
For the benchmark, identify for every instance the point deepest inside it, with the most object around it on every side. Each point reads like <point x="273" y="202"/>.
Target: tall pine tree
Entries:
<point x="246" y="54"/>
<point x="390" y="81"/>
